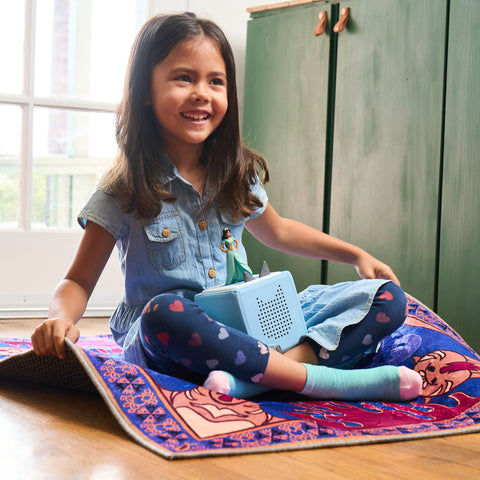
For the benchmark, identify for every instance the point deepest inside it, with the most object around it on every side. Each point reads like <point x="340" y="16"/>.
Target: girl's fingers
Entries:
<point x="58" y="341"/>
<point x="73" y="334"/>
<point x="48" y="339"/>
<point x="38" y="342"/>
<point x="389" y="275"/>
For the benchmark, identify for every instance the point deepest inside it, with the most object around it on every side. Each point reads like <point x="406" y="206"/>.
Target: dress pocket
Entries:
<point x="235" y="224"/>
<point x="165" y="243"/>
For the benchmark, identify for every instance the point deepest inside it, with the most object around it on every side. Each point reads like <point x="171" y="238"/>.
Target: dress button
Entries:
<point x="234" y="218"/>
<point x="165" y="232"/>
<point x="202" y="225"/>
<point x="212" y="273"/>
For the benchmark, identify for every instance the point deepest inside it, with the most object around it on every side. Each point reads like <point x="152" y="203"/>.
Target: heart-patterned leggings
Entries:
<point x="179" y="339"/>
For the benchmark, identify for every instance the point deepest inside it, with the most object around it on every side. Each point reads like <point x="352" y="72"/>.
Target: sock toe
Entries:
<point x="218" y="381"/>
<point x="223" y="382"/>
<point x="410" y="384"/>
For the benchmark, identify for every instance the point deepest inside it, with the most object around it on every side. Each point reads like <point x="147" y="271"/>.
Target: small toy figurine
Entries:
<point x="237" y="267"/>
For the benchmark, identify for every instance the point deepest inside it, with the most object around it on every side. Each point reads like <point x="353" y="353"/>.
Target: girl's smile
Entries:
<point x="189" y="96"/>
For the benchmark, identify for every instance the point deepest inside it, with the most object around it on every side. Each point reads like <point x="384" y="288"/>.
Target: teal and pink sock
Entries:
<point x="387" y="383"/>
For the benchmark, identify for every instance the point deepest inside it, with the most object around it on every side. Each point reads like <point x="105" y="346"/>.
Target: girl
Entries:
<point x="181" y="177"/>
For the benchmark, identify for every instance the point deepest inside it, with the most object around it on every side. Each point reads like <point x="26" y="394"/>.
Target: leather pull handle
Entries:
<point x="322" y="24"/>
<point x="342" y="21"/>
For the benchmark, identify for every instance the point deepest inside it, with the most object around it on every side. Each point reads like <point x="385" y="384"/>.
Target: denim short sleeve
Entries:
<point x="105" y="210"/>
<point x="259" y="191"/>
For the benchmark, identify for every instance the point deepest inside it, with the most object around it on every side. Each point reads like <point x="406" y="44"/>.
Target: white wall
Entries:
<point x="31" y="263"/>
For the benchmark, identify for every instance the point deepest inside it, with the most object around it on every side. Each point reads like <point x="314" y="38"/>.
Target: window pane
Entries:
<point x="71" y="150"/>
<point x="82" y="47"/>
<point x="12" y="19"/>
<point x="10" y="126"/>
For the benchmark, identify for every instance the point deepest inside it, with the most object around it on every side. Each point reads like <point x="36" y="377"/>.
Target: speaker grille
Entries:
<point x="274" y="316"/>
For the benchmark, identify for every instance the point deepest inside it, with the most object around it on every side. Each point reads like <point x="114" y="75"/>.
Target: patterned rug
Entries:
<point x="176" y="419"/>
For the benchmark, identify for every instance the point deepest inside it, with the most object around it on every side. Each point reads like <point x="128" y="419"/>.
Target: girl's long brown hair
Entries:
<point x="138" y="175"/>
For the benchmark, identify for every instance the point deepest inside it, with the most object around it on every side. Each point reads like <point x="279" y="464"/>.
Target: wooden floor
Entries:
<point x="51" y="434"/>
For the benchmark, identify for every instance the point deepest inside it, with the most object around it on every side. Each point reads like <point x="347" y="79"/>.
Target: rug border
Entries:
<point x="132" y="431"/>
<point x="104" y="392"/>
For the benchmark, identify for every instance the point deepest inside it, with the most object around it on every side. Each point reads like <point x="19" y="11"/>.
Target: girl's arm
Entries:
<point x="71" y="295"/>
<point x="296" y="238"/>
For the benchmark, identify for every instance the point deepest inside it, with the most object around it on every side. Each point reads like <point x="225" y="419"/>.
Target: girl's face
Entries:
<point x="189" y="95"/>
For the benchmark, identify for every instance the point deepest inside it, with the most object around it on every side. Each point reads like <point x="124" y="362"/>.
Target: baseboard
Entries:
<point x="43" y="312"/>
<point x="36" y="306"/>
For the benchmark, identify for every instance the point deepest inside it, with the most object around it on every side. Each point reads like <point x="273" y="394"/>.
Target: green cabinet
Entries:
<point x="459" y="272"/>
<point x="387" y="137"/>
<point x="285" y="112"/>
<point x="372" y="135"/>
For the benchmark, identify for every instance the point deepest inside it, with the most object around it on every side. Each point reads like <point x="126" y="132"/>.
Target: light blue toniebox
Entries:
<point x="267" y="308"/>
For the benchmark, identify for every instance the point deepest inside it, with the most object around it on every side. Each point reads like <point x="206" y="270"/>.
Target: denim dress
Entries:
<point x="179" y="252"/>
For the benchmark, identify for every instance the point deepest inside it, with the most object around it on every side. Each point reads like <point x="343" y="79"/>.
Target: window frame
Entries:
<point x="28" y="101"/>
<point x="34" y="260"/>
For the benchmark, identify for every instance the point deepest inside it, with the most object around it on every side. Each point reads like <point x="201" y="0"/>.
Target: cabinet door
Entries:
<point x="459" y="272"/>
<point x="387" y="137"/>
<point x="285" y="120"/>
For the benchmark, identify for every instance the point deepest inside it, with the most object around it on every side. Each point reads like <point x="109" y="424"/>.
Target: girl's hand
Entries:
<point x="48" y="339"/>
<point x="369" y="267"/>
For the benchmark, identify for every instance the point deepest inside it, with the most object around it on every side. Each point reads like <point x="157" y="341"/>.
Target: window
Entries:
<point x="63" y="65"/>
<point x="66" y="62"/>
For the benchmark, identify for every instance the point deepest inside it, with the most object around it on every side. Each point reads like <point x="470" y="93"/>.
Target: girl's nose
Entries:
<point x="199" y="95"/>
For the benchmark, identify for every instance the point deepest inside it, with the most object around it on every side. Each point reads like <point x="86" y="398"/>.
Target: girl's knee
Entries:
<point x="157" y="311"/>
<point x="392" y="301"/>
<point x="168" y="309"/>
<point x="390" y="292"/>
<point x="161" y="303"/>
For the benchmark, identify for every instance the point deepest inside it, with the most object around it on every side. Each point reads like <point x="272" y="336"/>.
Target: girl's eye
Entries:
<point x="217" y="82"/>
<point x="183" y="78"/>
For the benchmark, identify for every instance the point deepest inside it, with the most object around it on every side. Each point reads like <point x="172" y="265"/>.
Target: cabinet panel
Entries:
<point x="387" y="137"/>
<point x="459" y="271"/>
<point x="285" y="120"/>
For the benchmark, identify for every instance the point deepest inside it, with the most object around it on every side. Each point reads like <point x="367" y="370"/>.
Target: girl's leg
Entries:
<point x="387" y="383"/>
<point x="383" y="383"/>
<point x="177" y="337"/>
<point x="386" y="315"/>
<point x="176" y="329"/>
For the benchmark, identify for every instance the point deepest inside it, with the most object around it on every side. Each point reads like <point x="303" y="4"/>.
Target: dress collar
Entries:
<point x="171" y="173"/>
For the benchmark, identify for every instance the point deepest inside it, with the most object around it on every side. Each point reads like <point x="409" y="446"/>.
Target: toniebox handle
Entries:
<point x="322" y="24"/>
<point x="342" y="22"/>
